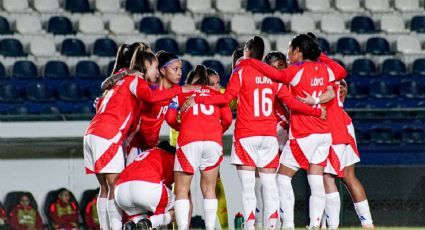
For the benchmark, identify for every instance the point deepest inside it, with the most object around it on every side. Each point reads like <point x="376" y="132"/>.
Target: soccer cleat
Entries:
<point x="144" y="224"/>
<point x="129" y="225"/>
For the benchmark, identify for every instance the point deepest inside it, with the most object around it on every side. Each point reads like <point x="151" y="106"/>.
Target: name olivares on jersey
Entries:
<point x="316" y="81"/>
<point x="263" y="80"/>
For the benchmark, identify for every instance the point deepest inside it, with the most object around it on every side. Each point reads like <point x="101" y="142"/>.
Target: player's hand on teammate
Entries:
<point x="187" y="104"/>
<point x="189" y="88"/>
<point x="308" y="99"/>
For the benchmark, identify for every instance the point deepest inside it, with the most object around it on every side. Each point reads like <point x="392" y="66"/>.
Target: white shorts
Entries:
<point x="205" y="155"/>
<point x="301" y="152"/>
<point x="340" y="156"/>
<point x="102" y="155"/>
<point x="256" y="151"/>
<point x="282" y="135"/>
<point x="141" y="197"/>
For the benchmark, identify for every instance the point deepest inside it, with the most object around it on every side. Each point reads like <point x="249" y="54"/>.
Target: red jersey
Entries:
<point x="310" y="77"/>
<point x="200" y="122"/>
<point x="154" y="165"/>
<point x="256" y="94"/>
<point x="336" y="117"/>
<point x="121" y="103"/>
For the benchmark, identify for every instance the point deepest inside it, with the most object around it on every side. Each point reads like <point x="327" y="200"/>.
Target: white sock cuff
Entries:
<point x="210" y="204"/>
<point x="247" y="178"/>
<point x="267" y="176"/>
<point x="362" y="206"/>
<point x="332" y="195"/>
<point x="182" y="203"/>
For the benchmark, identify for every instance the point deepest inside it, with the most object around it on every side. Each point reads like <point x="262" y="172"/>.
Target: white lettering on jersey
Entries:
<point x="202" y="91"/>
<point x="316" y="81"/>
<point x="263" y="80"/>
<point x="297" y="77"/>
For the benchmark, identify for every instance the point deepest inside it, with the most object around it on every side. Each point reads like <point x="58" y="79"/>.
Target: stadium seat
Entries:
<point x="16" y="6"/>
<point x="51" y="197"/>
<point x="138" y="6"/>
<point x="86" y="197"/>
<point x="24" y="69"/>
<point x="332" y="24"/>
<point x="302" y="24"/>
<point x="381" y="89"/>
<point x="243" y="25"/>
<point x="273" y="25"/>
<point x="356" y="91"/>
<point x="182" y="24"/>
<point x="258" y="6"/>
<point x="50" y="110"/>
<point x="348" y="46"/>
<point x="197" y="47"/>
<point x="199" y="6"/>
<point x="213" y="25"/>
<point x="288" y="6"/>
<point x="418" y="66"/>
<point x="324" y="46"/>
<point x="348" y="6"/>
<point x="107" y="6"/>
<point x="87" y="69"/>
<point x="73" y="47"/>
<point x="282" y="42"/>
<point x="168" y="6"/>
<point x="12" y="199"/>
<point x="2" y="71"/>
<point x="393" y="67"/>
<point x="417" y="24"/>
<point x="226" y="45"/>
<point x="121" y="24"/>
<point x="362" y="25"/>
<point x="28" y="24"/>
<point x="91" y="24"/>
<point x="19" y="110"/>
<point x="56" y="69"/>
<point x="215" y="65"/>
<point x="229" y="6"/>
<point x="363" y="67"/>
<point x="9" y="93"/>
<point x="392" y="24"/>
<point x="105" y="47"/>
<point x="318" y="5"/>
<point x="376" y="6"/>
<point x="4" y="26"/>
<point x="406" y="44"/>
<point x="110" y="68"/>
<point x="187" y="67"/>
<point x="378" y="46"/>
<point x="412" y="88"/>
<point x="407" y="5"/>
<point x="412" y="134"/>
<point x="77" y="6"/>
<point x="46" y="6"/>
<point x="94" y="90"/>
<point x="70" y="92"/>
<point x="11" y="47"/>
<point x="59" y="25"/>
<point x="84" y="109"/>
<point x="380" y="134"/>
<point x="42" y="47"/>
<point x="167" y="44"/>
<point x="151" y="25"/>
<point x="38" y="92"/>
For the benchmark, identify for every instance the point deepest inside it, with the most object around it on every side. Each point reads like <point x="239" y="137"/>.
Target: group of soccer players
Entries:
<point x="288" y="117"/>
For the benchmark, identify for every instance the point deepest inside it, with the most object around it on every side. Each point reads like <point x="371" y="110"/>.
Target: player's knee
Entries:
<point x="208" y="190"/>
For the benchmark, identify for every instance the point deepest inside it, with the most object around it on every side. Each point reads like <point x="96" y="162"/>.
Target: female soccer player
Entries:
<point x="145" y="132"/>
<point x="103" y="152"/>
<point x="199" y="146"/>
<point x="310" y="137"/>
<point x="143" y="189"/>
<point x="341" y="163"/>
<point x="253" y="146"/>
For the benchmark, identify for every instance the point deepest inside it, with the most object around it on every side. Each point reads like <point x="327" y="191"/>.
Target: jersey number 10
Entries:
<point x="204" y="109"/>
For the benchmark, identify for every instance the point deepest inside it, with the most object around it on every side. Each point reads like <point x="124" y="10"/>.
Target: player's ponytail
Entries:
<point x="236" y="55"/>
<point x="121" y="60"/>
<point x="307" y="46"/>
<point x="256" y="47"/>
<point x="198" y="76"/>
<point x="141" y="56"/>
